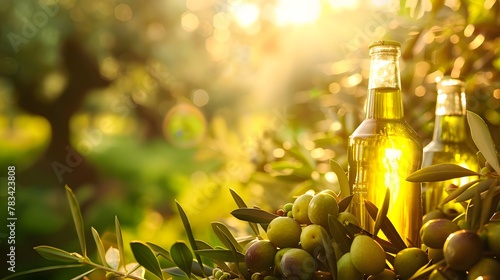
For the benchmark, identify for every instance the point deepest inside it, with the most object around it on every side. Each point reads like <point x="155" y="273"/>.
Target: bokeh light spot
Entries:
<point x="469" y="30"/>
<point x="221" y="20"/>
<point x="334" y="88"/>
<point x="278" y="153"/>
<point x="200" y="97"/>
<point x="109" y="67"/>
<point x="123" y="12"/>
<point x="184" y="125"/>
<point x="496" y="93"/>
<point x="222" y="35"/>
<point x="189" y="21"/>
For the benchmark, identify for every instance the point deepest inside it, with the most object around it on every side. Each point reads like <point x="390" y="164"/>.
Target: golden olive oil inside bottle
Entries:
<point x="384" y="150"/>
<point x="450" y="144"/>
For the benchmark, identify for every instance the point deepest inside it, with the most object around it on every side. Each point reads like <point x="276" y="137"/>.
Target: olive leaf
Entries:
<point x="426" y="269"/>
<point x="481" y="186"/>
<point x="440" y="172"/>
<point x="182" y="257"/>
<point x="145" y="257"/>
<point x="241" y="204"/>
<point x="221" y="254"/>
<point x="81" y="276"/>
<point x="56" y="254"/>
<point x="331" y="260"/>
<point x="341" y="236"/>
<point x="77" y="219"/>
<point x="457" y="192"/>
<point x="345" y="190"/>
<point x="382" y="214"/>
<point x="202" y="245"/>
<point x="482" y="138"/>
<point x="119" y="241"/>
<point x="225" y="235"/>
<point x="195" y="269"/>
<point x="160" y="250"/>
<point x="488" y="206"/>
<point x="189" y="231"/>
<point x="99" y="245"/>
<point x="387" y="227"/>
<point x="43" y="269"/>
<point x="344" y="203"/>
<point x="254" y="215"/>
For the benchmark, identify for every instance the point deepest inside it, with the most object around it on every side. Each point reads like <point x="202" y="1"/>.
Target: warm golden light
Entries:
<point x="189" y="21"/>
<point x="345" y="4"/>
<point x="246" y="14"/>
<point x="297" y="11"/>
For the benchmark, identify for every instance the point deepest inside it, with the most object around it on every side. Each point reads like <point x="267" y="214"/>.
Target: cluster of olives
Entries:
<point x="294" y="239"/>
<point x="298" y="242"/>
<point x="295" y="246"/>
<point x="467" y="254"/>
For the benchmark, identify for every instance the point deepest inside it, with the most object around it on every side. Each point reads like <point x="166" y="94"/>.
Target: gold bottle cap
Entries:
<point x="384" y="43"/>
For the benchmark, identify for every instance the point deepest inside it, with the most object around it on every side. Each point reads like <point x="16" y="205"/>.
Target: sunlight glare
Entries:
<point x="246" y="14"/>
<point x="297" y="11"/>
<point x="344" y="4"/>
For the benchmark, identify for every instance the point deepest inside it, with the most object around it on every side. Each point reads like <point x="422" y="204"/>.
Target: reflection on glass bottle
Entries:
<point x="384" y="149"/>
<point x="449" y="143"/>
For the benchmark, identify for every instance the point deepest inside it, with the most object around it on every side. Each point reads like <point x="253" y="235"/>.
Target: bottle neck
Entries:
<point x="450" y="124"/>
<point x="385" y="100"/>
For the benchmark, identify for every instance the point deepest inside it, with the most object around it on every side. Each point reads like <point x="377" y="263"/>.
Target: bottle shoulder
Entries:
<point x="443" y="146"/>
<point x="384" y="128"/>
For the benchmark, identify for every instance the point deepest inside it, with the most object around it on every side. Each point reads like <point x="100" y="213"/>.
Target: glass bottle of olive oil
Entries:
<point x="384" y="149"/>
<point x="450" y="143"/>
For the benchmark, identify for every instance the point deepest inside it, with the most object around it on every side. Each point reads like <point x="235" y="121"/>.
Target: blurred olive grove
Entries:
<point x="135" y="104"/>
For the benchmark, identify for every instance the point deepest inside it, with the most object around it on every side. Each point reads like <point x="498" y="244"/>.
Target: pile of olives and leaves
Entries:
<point x="316" y="237"/>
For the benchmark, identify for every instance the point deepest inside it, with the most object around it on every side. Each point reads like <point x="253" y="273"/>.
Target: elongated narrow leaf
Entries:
<point x="42" y="269"/>
<point x="195" y="269"/>
<point x="254" y="215"/>
<point x="388" y="246"/>
<point x="77" y="219"/>
<point x="241" y="204"/>
<point x="202" y="245"/>
<point x="440" y="172"/>
<point x="182" y="257"/>
<point x="331" y="260"/>
<point x="189" y="232"/>
<point x="160" y="250"/>
<point x="221" y="254"/>
<point x="345" y="190"/>
<point x="145" y="257"/>
<point x="475" y="213"/>
<point x="382" y="213"/>
<point x="100" y="246"/>
<point x="56" y="254"/>
<point x="341" y="236"/>
<point x="344" y="203"/>
<point x="387" y="227"/>
<point x="488" y="206"/>
<point x="425" y="270"/>
<point x="482" y="138"/>
<point x="481" y="186"/>
<point x="83" y="274"/>
<point x="119" y="241"/>
<point x="454" y="194"/>
<point x="225" y="235"/>
<point x="239" y="201"/>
